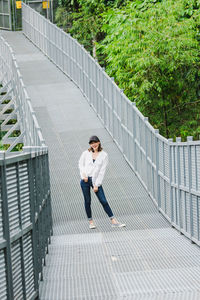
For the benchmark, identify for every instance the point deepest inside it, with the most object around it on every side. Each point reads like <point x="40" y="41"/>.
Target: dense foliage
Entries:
<point x="151" y="48"/>
<point x="83" y="19"/>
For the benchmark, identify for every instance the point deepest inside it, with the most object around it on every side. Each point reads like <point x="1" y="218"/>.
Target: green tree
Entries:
<point x="152" y="51"/>
<point x="83" y="20"/>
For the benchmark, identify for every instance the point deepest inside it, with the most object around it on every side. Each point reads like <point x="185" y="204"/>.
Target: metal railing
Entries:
<point x="169" y="171"/>
<point x="11" y="79"/>
<point x="25" y="202"/>
<point x="25" y="222"/>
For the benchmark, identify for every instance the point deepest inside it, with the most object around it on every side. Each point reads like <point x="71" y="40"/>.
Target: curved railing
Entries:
<point x="25" y="202"/>
<point x="11" y="79"/>
<point x="170" y="171"/>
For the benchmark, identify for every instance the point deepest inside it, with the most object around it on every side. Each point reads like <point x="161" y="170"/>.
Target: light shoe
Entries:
<point x="92" y="226"/>
<point x="118" y="225"/>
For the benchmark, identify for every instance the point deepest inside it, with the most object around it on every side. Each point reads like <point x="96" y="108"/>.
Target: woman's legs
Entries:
<point x="102" y="198"/>
<point x="85" y="186"/>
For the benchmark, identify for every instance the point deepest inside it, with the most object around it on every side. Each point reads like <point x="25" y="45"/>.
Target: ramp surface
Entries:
<point x="147" y="259"/>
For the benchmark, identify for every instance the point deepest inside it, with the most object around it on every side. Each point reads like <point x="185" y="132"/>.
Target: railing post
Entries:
<point x="146" y="152"/>
<point x="157" y="167"/>
<point x="96" y="84"/>
<point x="197" y="186"/>
<point x="122" y="119"/>
<point x="20" y="225"/>
<point x="112" y="105"/>
<point x="134" y="136"/>
<point x="82" y="70"/>
<point x="170" y="179"/>
<point x="33" y="217"/>
<point x="189" y="140"/>
<point x="178" y="201"/>
<point x="6" y="229"/>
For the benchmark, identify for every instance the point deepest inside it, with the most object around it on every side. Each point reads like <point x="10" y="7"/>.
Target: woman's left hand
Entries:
<point x="95" y="188"/>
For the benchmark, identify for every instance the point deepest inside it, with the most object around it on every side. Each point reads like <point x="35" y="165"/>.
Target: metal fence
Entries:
<point x="170" y="171"/>
<point x="14" y="89"/>
<point x="25" y="223"/>
<point x="25" y="202"/>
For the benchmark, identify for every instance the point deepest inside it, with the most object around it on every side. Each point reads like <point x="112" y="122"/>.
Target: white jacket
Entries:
<point x="96" y="169"/>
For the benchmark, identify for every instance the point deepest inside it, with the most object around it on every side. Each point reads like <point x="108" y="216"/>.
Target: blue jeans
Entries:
<point x="100" y="195"/>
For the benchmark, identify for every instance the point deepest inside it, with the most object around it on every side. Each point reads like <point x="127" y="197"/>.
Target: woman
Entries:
<point x="92" y="165"/>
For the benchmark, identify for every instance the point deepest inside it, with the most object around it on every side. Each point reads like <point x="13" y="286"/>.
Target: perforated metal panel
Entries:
<point x="28" y="263"/>
<point x="24" y="193"/>
<point x="12" y="194"/>
<point x="1" y="217"/>
<point x="17" y="270"/>
<point x="3" y="283"/>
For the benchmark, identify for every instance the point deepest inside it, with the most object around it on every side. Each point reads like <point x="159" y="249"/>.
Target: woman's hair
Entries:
<point x="99" y="148"/>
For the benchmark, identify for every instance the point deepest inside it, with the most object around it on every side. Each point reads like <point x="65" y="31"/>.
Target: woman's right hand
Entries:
<point x="85" y="179"/>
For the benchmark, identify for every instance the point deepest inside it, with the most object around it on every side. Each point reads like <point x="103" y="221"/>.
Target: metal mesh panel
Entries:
<point x="187" y="212"/>
<point x="161" y="158"/>
<point x="184" y="176"/>
<point x="194" y="167"/>
<point x="17" y="270"/>
<point x="168" y="198"/>
<point x="3" y="284"/>
<point x="149" y="143"/>
<point x="166" y="159"/>
<point x="153" y="143"/>
<point x="142" y="134"/>
<point x="163" y="194"/>
<point x="12" y="194"/>
<point x="28" y="265"/>
<point x="137" y="127"/>
<point x="183" y="210"/>
<point x="195" y="217"/>
<point x="197" y="168"/>
<point x="24" y="193"/>
<point x="174" y="164"/>
<point x="175" y="206"/>
<point x="1" y="217"/>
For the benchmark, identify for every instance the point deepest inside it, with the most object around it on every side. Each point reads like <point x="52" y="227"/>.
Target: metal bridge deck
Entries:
<point x="147" y="259"/>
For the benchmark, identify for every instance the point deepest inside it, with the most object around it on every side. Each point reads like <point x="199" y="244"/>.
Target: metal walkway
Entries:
<point x="146" y="260"/>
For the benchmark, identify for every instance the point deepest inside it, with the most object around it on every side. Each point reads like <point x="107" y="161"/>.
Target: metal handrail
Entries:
<point x="12" y="79"/>
<point x="25" y="221"/>
<point x="169" y="171"/>
<point x="25" y="200"/>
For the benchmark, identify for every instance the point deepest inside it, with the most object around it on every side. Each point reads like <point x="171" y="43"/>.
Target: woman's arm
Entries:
<point x="81" y="165"/>
<point x="102" y="170"/>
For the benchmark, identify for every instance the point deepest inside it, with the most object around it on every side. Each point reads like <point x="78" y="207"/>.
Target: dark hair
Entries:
<point x="99" y="148"/>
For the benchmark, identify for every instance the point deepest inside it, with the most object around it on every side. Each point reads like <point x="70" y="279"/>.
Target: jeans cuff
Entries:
<point x="89" y="219"/>
<point x="112" y="217"/>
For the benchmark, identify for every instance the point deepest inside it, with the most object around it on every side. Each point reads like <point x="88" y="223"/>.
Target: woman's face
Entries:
<point x="95" y="145"/>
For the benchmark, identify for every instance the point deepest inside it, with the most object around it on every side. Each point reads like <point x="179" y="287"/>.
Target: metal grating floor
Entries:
<point x="147" y="260"/>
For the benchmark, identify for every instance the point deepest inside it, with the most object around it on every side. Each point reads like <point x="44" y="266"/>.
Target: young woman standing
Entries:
<point x="92" y="165"/>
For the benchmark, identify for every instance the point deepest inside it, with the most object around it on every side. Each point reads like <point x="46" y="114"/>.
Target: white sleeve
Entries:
<point x="81" y="165"/>
<point x="102" y="170"/>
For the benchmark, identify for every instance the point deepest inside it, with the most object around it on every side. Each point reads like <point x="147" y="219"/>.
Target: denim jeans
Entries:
<point x="100" y="195"/>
